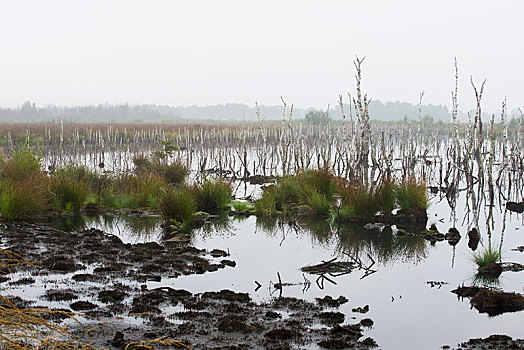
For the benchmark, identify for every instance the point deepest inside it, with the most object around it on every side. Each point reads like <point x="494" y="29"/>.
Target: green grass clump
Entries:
<point x="320" y="181"/>
<point x="97" y="181"/>
<point x="412" y="194"/>
<point x="318" y="203"/>
<point x="178" y="205"/>
<point x="68" y="193"/>
<point x="267" y="204"/>
<point x="311" y="188"/>
<point x="173" y="173"/>
<point x="212" y="195"/>
<point x="287" y="192"/>
<point x="359" y="202"/>
<point x="23" y="164"/>
<point x="24" y="199"/>
<point x="386" y="196"/>
<point x="133" y="191"/>
<point x="487" y="256"/>
<point x="242" y="207"/>
<point x="24" y="190"/>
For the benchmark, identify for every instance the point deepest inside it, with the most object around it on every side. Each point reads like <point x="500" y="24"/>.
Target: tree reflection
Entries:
<point x="385" y="247"/>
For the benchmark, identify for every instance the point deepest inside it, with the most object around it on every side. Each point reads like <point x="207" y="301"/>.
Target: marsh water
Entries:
<point x="406" y="280"/>
<point x="409" y="295"/>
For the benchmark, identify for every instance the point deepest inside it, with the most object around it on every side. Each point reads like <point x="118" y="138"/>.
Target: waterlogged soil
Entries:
<point x="102" y="281"/>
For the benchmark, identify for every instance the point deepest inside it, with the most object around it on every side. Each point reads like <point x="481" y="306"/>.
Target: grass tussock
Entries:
<point x="23" y="164"/>
<point x="317" y="190"/>
<point x="24" y="190"/>
<point x="137" y="191"/>
<point x="212" y="196"/>
<point x="412" y="194"/>
<point x="313" y="189"/>
<point x="24" y="199"/>
<point x="178" y="204"/>
<point x="174" y="173"/>
<point x="68" y="193"/>
<point x="487" y="256"/>
<point x="358" y="202"/>
<point x="242" y="207"/>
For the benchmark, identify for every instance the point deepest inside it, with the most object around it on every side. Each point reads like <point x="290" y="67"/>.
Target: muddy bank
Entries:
<point x="495" y="341"/>
<point x="102" y="281"/>
<point x="491" y="301"/>
<point x="226" y="320"/>
<point x="103" y="255"/>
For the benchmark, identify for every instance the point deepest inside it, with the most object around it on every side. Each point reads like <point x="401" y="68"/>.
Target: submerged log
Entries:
<point x="515" y="207"/>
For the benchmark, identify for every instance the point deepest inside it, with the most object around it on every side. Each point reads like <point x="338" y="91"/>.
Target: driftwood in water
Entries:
<point x="332" y="267"/>
<point x="515" y="207"/>
<point x="335" y="268"/>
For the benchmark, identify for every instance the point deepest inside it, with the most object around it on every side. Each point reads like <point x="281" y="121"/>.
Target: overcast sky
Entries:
<point x="69" y="52"/>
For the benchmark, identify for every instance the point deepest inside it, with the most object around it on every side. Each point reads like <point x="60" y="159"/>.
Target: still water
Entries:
<point x="407" y="311"/>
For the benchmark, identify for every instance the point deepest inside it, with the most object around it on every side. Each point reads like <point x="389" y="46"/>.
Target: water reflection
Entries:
<point x="216" y="224"/>
<point x="482" y="280"/>
<point x="384" y="246"/>
<point x="354" y="240"/>
<point x="131" y="228"/>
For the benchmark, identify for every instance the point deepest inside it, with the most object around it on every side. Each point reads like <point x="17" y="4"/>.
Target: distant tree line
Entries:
<point x="30" y="112"/>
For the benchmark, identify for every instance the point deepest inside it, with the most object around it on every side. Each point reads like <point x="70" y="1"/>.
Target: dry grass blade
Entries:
<point x="29" y="328"/>
<point x="152" y="344"/>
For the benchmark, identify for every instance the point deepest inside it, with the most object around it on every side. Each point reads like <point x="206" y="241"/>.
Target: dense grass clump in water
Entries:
<point x="24" y="199"/>
<point x="134" y="191"/>
<point x="23" y="164"/>
<point x="97" y="181"/>
<point x="67" y="193"/>
<point x="267" y="204"/>
<point x="412" y="194"/>
<point x="24" y="190"/>
<point x="212" y="196"/>
<point x="173" y="173"/>
<point x="242" y="207"/>
<point x="386" y="196"/>
<point x="321" y="181"/>
<point x="178" y="204"/>
<point x="357" y="201"/>
<point x="313" y="189"/>
<point x="487" y="256"/>
<point x="316" y="189"/>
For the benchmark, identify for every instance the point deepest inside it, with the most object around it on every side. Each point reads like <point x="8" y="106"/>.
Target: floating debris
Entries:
<point x="515" y="207"/>
<point x="437" y="284"/>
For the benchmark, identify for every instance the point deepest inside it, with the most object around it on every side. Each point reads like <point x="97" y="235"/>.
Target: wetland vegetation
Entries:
<point x="353" y="208"/>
